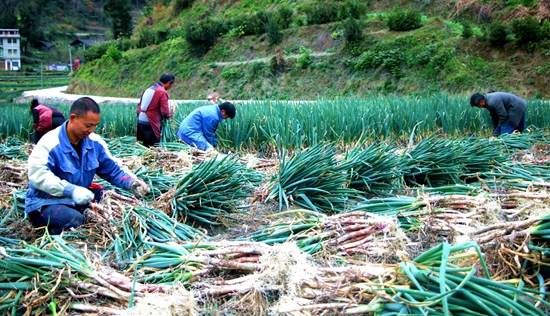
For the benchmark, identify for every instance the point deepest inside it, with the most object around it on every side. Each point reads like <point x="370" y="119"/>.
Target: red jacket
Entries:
<point x="157" y="108"/>
<point x="46" y="118"/>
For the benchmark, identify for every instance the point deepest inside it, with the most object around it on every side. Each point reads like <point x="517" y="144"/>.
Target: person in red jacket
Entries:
<point x="152" y="108"/>
<point x="45" y="119"/>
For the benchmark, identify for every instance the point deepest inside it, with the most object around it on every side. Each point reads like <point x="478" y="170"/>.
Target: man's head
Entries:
<point x="478" y="100"/>
<point x="228" y="110"/>
<point x="34" y="103"/>
<point x="167" y="80"/>
<point x="83" y="119"/>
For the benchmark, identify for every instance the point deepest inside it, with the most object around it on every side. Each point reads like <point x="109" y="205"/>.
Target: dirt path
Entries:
<point x="266" y="59"/>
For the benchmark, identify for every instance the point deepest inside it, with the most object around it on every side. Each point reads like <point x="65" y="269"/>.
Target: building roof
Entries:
<point x="79" y="41"/>
<point x="43" y="44"/>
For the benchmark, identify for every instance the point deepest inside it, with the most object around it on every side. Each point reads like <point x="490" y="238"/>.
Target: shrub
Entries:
<point x="545" y="30"/>
<point x="161" y="35"/>
<point x="145" y="38"/>
<point x="352" y="31"/>
<point x="273" y="32"/>
<point x="284" y="16"/>
<point x="321" y="12"/>
<point x="113" y="53"/>
<point x="124" y="44"/>
<point x="351" y="9"/>
<point x="257" y="22"/>
<point x="305" y="59"/>
<point x="467" y="31"/>
<point x="497" y="34"/>
<point x="96" y="51"/>
<point x="526" y="30"/>
<point x="404" y="20"/>
<point x="201" y="35"/>
<point x="180" y="5"/>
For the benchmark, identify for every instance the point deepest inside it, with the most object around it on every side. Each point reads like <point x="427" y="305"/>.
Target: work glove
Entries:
<point x="82" y="196"/>
<point x="139" y="188"/>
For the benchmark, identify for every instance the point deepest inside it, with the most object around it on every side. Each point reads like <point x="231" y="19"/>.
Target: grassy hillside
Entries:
<point x="317" y="61"/>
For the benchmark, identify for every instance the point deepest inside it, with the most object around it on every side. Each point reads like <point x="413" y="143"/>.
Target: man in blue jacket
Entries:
<point x="507" y="111"/>
<point x="62" y="166"/>
<point x="198" y="129"/>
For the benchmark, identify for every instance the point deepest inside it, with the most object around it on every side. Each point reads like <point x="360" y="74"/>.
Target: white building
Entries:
<point x="10" y="49"/>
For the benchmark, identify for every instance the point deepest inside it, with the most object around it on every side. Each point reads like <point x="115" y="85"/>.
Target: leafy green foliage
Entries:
<point x="497" y="34"/>
<point x="258" y="21"/>
<point x="180" y="5"/>
<point x="351" y="9"/>
<point x="467" y="31"/>
<point x="526" y="30"/>
<point x="201" y="35"/>
<point x="352" y="31"/>
<point x="305" y="58"/>
<point x="284" y="15"/>
<point x="121" y="18"/>
<point x="274" y="32"/>
<point x="96" y="51"/>
<point x="400" y="19"/>
<point x="114" y="53"/>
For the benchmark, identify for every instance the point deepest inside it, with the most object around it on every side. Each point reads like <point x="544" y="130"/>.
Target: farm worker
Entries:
<point x="62" y="166"/>
<point x="198" y="129"/>
<point x="45" y="119"/>
<point x="152" y="108"/>
<point x="214" y="98"/>
<point x="507" y="111"/>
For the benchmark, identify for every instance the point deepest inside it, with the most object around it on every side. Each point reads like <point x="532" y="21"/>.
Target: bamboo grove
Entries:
<point x="267" y="126"/>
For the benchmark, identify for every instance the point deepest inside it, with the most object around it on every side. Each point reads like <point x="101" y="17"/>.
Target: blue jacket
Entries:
<point x="55" y="169"/>
<point x="199" y="127"/>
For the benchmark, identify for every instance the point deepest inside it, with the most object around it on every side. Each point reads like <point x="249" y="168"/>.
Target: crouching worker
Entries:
<point x="62" y="166"/>
<point x="198" y="129"/>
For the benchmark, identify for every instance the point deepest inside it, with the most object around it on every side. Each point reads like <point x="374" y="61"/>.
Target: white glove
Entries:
<point x="82" y="195"/>
<point x="139" y="188"/>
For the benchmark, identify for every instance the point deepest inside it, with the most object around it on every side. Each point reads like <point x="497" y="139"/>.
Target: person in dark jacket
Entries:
<point x="62" y="166"/>
<point x="507" y="111"/>
<point x="152" y="109"/>
<point x="45" y="119"/>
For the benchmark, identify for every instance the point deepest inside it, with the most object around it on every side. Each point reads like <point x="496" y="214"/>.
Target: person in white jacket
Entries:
<point x="62" y="167"/>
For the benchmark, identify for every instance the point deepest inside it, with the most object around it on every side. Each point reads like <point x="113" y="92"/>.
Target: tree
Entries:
<point x="8" y="18"/>
<point x="121" y="18"/>
<point x="29" y="21"/>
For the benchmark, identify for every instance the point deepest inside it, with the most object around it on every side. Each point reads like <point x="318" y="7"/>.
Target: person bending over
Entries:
<point x="45" y="118"/>
<point x="198" y="129"/>
<point x="507" y="111"/>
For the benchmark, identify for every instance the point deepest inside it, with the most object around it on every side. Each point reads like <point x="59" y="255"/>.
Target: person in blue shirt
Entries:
<point x="198" y="129"/>
<point x="62" y="166"/>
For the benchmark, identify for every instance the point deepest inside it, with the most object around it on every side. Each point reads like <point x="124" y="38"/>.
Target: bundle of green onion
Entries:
<point x="432" y="285"/>
<point x="214" y="188"/>
<point x="374" y="169"/>
<point x="312" y="179"/>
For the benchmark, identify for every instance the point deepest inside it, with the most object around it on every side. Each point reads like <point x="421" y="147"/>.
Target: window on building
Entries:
<point x="1" y="51"/>
<point x="12" y="40"/>
<point x="15" y="64"/>
<point x="12" y="52"/>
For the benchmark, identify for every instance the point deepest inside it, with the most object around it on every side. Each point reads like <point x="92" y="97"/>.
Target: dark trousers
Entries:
<point x="508" y="128"/>
<point x="37" y="135"/>
<point x="146" y="135"/>
<point x="58" y="217"/>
